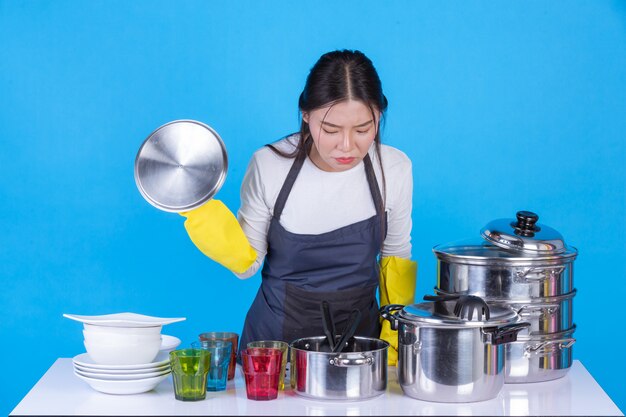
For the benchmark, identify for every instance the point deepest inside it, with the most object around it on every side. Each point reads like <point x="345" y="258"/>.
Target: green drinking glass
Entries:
<point x="189" y="372"/>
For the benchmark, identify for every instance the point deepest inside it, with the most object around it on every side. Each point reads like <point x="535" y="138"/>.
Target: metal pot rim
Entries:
<point x="451" y="324"/>
<point x="527" y="301"/>
<point x="457" y="252"/>
<point x="340" y="354"/>
<point x="547" y="336"/>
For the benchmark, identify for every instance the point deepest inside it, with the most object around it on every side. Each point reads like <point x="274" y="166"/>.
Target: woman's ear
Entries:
<point x="305" y="117"/>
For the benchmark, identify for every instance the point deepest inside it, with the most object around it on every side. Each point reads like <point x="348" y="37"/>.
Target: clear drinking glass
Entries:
<point x="220" y="360"/>
<point x="228" y="337"/>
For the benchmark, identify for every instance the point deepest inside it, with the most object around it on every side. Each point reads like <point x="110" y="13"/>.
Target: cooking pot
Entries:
<point x="445" y="358"/>
<point x="515" y="260"/>
<point x="539" y="358"/>
<point x="181" y="166"/>
<point x="545" y="315"/>
<point x="357" y="373"/>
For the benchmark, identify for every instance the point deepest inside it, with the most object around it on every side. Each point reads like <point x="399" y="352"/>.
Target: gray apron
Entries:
<point x="301" y="270"/>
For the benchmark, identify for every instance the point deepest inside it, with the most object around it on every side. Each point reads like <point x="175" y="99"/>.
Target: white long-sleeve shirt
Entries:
<point x="322" y="201"/>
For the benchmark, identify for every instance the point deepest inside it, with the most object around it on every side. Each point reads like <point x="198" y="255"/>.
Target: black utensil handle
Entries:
<point x="388" y="313"/>
<point x="441" y="297"/>
<point x="351" y="325"/>
<point x="328" y="324"/>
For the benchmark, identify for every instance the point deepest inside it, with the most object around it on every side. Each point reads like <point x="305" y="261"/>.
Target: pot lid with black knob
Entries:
<point x="519" y="239"/>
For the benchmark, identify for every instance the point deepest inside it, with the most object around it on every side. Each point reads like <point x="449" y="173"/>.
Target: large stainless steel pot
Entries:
<point x="444" y="358"/>
<point x="357" y="373"/>
<point x="545" y="315"/>
<point x="514" y="260"/>
<point x="539" y="358"/>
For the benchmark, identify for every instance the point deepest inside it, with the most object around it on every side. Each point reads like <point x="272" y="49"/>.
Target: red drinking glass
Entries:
<point x="261" y="368"/>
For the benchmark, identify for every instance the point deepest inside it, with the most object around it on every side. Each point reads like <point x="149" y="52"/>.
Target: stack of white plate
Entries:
<point x="122" y="379"/>
<point x="126" y="352"/>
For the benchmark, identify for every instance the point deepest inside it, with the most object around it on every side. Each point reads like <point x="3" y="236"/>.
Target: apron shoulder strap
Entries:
<point x="373" y="184"/>
<point x="288" y="184"/>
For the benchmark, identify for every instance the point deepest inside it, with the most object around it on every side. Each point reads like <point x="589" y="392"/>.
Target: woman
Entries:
<point x="326" y="212"/>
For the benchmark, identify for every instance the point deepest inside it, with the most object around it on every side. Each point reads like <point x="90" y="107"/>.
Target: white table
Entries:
<point x="59" y="392"/>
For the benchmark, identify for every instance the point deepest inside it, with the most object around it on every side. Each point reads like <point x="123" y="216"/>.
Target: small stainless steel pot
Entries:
<point x="539" y="358"/>
<point x="513" y="261"/>
<point x="444" y="358"/>
<point x="545" y="315"/>
<point x="357" y="373"/>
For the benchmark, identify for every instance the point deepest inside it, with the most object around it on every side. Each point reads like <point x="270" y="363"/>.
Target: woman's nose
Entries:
<point x="346" y="141"/>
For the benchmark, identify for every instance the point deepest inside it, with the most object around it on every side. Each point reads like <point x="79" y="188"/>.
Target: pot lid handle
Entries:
<point x="524" y="234"/>
<point x="526" y="223"/>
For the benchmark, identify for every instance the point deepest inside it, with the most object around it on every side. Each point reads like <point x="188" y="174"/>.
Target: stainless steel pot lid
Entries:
<point x="441" y="314"/>
<point x="181" y="166"/>
<point x="524" y="234"/>
<point x="521" y="241"/>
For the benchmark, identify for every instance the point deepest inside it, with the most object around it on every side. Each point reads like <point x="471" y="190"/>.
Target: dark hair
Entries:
<point x="339" y="76"/>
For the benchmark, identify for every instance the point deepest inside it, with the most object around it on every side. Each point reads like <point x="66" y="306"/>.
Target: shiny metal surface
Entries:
<point x="451" y="363"/>
<point x="357" y="373"/>
<point x="502" y="233"/>
<point x="444" y="365"/>
<point x="181" y="166"/>
<point x="441" y="314"/>
<point x="546" y="315"/>
<point x="476" y="251"/>
<point x="506" y="282"/>
<point x="539" y="358"/>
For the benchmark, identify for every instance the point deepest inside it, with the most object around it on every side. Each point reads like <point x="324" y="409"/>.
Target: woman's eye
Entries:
<point x="362" y="131"/>
<point x="330" y="132"/>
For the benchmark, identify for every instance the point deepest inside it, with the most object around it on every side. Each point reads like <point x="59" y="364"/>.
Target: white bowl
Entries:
<point x="169" y="343"/>
<point x="122" y="330"/>
<point x="123" y="387"/>
<point x="123" y="353"/>
<point x="115" y="338"/>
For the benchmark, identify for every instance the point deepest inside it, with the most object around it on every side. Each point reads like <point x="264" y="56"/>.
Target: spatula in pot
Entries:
<point x="348" y="332"/>
<point x="328" y="324"/>
<point x="467" y="305"/>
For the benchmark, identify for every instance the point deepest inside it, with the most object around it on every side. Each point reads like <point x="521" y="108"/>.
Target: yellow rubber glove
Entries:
<point x="217" y="233"/>
<point x="398" y="277"/>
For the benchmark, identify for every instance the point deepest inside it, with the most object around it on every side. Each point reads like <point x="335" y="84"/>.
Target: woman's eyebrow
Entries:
<point x="337" y="126"/>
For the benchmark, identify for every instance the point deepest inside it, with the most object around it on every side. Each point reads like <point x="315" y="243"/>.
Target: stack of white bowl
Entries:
<point x="124" y="360"/>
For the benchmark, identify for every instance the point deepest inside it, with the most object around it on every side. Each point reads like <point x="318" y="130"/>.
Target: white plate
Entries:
<point x="84" y="370"/>
<point x="124" y="320"/>
<point x="123" y="387"/>
<point x="169" y="343"/>
<point x="120" y="377"/>
<point x="86" y="362"/>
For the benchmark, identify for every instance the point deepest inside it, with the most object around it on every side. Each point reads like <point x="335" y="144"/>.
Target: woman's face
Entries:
<point x="342" y="134"/>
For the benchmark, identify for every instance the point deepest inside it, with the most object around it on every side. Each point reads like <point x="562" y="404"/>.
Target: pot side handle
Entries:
<point x="504" y="334"/>
<point x="346" y="362"/>
<point x="388" y="312"/>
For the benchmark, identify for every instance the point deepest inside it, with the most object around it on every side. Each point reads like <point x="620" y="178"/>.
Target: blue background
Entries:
<point x="501" y="106"/>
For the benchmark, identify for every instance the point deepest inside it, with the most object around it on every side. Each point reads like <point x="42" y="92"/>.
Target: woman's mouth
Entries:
<point x="345" y="161"/>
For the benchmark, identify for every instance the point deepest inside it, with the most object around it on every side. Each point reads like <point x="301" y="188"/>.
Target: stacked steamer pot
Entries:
<point x="525" y="265"/>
